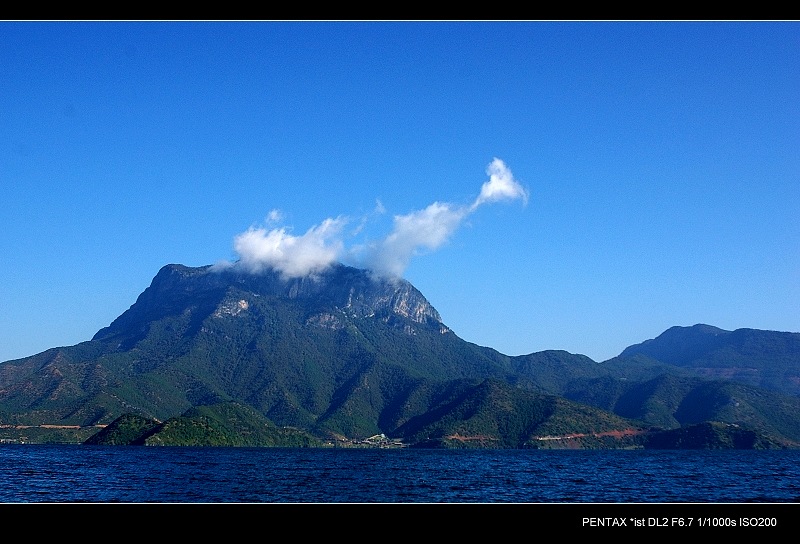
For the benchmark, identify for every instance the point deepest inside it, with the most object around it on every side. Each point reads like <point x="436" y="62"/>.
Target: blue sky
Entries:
<point x="547" y="185"/>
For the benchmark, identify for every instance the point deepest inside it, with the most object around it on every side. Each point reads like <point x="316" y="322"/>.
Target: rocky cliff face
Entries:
<point x="339" y="292"/>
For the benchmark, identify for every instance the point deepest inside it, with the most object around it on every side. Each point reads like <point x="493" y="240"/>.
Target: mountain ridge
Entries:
<point x="769" y="359"/>
<point x="349" y="354"/>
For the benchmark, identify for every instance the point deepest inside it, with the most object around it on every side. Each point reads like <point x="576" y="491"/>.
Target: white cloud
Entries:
<point x="412" y="234"/>
<point x="432" y="227"/>
<point x="426" y="229"/>
<point x="501" y="185"/>
<point x="292" y="256"/>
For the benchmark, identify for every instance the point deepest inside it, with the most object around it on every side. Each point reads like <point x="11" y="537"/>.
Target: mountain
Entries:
<point x="343" y="356"/>
<point x="671" y="401"/>
<point x="768" y="359"/>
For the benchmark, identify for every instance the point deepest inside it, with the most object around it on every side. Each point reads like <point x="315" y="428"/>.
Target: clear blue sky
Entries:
<point x="647" y="173"/>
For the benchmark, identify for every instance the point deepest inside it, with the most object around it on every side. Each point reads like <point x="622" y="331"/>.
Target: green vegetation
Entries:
<point x="226" y="424"/>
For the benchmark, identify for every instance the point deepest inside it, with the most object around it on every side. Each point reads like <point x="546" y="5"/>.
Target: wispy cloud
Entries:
<point x="426" y="229"/>
<point x="501" y="186"/>
<point x="412" y="234"/>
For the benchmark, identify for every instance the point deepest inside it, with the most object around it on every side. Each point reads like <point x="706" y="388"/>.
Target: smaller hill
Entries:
<point x="711" y="435"/>
<point x="226" y="424"/>
<point x="494" y="414"/>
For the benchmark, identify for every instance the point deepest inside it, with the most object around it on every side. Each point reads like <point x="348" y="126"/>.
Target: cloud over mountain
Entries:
<point x="422" y="230"/>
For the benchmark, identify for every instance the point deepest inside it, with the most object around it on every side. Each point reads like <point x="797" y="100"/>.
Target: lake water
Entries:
<point x="45" y="473"/>
<point x="400" y="492"/>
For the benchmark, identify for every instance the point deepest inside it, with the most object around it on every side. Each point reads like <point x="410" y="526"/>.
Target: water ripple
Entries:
<point x="33" y="473"/>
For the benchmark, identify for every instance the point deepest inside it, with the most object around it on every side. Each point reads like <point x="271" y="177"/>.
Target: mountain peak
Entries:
<point x="678" y="345"/>
<point x="355" y="292"/>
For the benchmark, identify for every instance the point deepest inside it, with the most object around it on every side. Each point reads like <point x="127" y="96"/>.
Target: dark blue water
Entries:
<point x="97" y="474"/>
